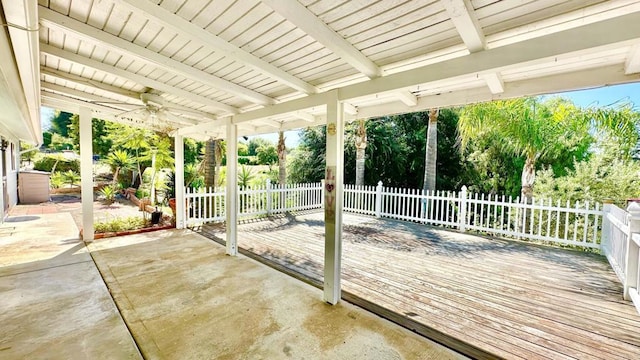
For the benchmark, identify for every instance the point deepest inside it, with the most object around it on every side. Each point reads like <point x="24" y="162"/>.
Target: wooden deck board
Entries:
<point x="510" y="299"/>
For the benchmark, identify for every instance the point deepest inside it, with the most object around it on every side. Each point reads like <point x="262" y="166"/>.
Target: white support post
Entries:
<point x="379" y="199"/>
<point x="322" y="193"/>
<point x="231" y="201"/>
<point x="333" y="200"/>
<point x="179" y="181"/>
<point x="269" y="199"/>
<point x="462" y="214"/>
<point x="632" y="250"/>
<point x="86" y="172"/>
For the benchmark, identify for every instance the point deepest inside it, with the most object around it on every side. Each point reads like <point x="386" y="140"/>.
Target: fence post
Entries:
<point x="269" y="204"/>
<point x="322" y="194"/>
<point x="632" y="250"/>
<point x="462" y="214"/>
<point x="605" y="241"/>
<point x="379" y="199"/>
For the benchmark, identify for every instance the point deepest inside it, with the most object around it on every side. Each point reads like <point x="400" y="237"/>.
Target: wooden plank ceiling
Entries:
<point x="268" y="65"/>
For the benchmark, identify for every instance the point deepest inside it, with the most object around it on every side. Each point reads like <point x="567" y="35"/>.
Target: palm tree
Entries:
<point x="525" y="127"/>
<point x="209" y="163"/>
<point x="361" y="146"/>
<point x="431" y="152"/>
<point x="218" y="154"/>
<point x="282" y="159"/>
<point x="119" y="160"/>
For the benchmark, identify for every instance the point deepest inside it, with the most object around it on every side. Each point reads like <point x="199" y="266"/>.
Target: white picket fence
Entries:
<point x="577" y="224"/>
<point x="205" y="205"/>
<point x="621" y="246"/>
<point x="615" y="235"/>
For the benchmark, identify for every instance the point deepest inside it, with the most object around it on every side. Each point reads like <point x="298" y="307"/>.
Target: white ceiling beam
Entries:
<point x="494" y="82"/>
<point x="286" y="107"/>
<point x="178" y="24"/>
<point x="79" y="80"/>
<point x="142" y="80"/>
<point x="304" y="19"/>
<point x="205" y="126"/>
<point x="108" y="113"/>
<point x="567" y="43"/>
<point x="273" y="123"/>
<point x="302" y="115"/>
<point x="89" y="33"/>
<point x="547" y="48"/>
<point x="632" y="65"/>
<point x="578" y="80"/>
<point x="466" y="23"/>
<point x="350" y="109"/>
<point x="87" y="96"/>
<point x="406" y="97"/>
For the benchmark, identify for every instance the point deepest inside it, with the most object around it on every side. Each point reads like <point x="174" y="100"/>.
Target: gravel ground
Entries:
<point x="71" y="203"/>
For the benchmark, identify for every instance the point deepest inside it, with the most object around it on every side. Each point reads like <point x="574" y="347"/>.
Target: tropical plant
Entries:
<point x="526" y="127"/>
<point x="108" y="193"/>
<point x="267" y="155"/>
<point x="119" y="160"/>
<point x="245" y="175"/>
<point x="71" y="177"/>
<point x="57" y="180"/>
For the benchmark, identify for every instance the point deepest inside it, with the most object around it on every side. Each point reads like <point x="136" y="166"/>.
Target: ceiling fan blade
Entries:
<point x="176" y="118"/>
<point x="131" y="112"/>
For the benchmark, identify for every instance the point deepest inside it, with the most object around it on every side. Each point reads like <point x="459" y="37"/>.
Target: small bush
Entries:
<point x="63" y="165"/>
<point x="57" y="180"/>
<point x="121" y="224"/>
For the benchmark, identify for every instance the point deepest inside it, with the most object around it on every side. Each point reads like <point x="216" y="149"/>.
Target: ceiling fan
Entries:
<point x="154" y="113"/>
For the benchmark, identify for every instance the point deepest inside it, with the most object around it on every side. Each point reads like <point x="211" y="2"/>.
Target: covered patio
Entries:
<point x="225" y="69"/>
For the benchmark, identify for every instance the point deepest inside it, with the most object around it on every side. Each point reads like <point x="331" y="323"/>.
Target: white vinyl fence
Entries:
<point x="207" y="204"/>
<point x="613" y="230"/>
<point x="621" y="246"/>
<point x="570" y="224"/>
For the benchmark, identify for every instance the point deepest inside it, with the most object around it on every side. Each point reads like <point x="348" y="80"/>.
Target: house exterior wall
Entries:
<point x="10" y="178"/>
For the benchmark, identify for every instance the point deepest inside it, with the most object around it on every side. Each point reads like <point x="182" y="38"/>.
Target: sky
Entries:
<point x="602" y="96"/>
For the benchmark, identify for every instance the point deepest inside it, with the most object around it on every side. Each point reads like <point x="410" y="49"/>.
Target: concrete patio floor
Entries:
<point x="183" y="298"/>
<point x="53" y="302"/>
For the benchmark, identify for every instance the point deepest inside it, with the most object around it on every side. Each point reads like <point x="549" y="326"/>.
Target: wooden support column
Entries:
<point x="333" y="189"/>
<point x="86" y="172"/>
<point x="179" y="180"/>
<point x="231" y="202"/>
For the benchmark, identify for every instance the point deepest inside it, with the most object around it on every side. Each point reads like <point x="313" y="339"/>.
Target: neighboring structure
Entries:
<point x="19" y="95"/>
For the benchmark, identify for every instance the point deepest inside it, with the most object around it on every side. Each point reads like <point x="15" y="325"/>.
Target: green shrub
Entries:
<point x="71" y="177"/>
<point x="61" y="164"/>
<point x="121" y="224"/>
<point x="109" y="193"/>
<point x="57" y="180"/>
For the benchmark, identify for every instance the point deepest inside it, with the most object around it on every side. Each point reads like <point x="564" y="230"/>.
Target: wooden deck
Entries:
<point x="484" y="297"/>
